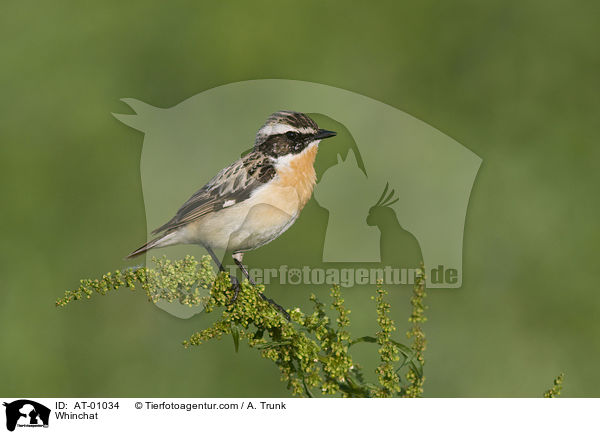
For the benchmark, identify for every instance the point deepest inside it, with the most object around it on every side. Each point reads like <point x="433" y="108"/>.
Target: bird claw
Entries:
<point x="236" y="290"/>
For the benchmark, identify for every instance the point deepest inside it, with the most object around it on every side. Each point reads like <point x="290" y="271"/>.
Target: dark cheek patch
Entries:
<point x="279" y="145"/>
<point x="301" y="146"/>
<point x="281" y="149"/>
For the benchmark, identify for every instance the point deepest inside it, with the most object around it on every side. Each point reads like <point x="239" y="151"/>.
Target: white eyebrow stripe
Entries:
<point x="269" y="130"/>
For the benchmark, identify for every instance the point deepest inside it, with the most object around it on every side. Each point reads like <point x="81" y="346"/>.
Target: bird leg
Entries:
<point x="237" y="258"/>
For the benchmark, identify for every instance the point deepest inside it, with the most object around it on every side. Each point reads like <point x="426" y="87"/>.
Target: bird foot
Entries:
<point x="235" y="284"/>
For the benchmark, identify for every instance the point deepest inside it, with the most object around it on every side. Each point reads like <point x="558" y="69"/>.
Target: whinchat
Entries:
<point x="254" y="200"/>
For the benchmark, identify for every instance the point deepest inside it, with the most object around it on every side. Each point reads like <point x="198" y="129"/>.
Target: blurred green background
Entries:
<point x="515" y="82"/>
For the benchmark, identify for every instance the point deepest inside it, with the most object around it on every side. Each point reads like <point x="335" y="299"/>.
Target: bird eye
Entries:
<point x="292" y="135"/>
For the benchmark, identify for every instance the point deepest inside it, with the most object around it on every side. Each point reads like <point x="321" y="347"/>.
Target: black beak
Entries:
<point x="324" y="134"/>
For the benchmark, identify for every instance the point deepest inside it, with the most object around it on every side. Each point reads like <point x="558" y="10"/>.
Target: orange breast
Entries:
<point x="300" y="175"/>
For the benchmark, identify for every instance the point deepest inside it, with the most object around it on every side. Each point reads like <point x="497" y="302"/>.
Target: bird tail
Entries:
<point x="161" y="241"/>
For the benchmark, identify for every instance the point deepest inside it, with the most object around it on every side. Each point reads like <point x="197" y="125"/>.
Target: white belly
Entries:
<point x="247" y="225"/>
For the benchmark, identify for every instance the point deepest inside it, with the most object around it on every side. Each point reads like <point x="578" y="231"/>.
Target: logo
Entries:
<point x="26" y="413"/>
<point x="392" y="192"/>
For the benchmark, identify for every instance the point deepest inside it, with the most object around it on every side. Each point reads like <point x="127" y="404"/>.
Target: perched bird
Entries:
<point x="255" y="199"/>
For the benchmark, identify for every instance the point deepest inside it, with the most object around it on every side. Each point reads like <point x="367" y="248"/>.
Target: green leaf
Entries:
<point x="273" y="344"/>
<point x="409" y="355"/>
<point x="369" y="339"/>
<point x="403" y="348"/>
<point x="235" y="334"/>
<point x="307" y="390"/>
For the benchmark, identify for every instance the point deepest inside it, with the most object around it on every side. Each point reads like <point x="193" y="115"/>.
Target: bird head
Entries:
<point x="287" y="133"/>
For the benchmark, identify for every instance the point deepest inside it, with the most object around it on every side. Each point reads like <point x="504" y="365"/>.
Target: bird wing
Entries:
<point x="231" y="185"/>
